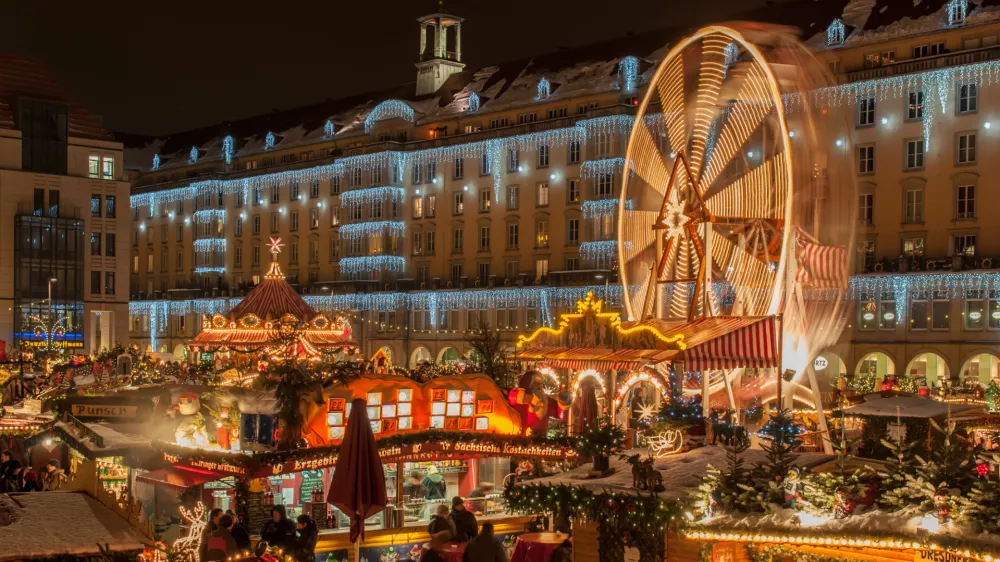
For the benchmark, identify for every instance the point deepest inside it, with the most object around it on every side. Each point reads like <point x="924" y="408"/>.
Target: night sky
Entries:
<point x="157" y="67"/>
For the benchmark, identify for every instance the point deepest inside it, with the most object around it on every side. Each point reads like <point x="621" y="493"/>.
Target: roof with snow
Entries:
<point x="909" y="406"/>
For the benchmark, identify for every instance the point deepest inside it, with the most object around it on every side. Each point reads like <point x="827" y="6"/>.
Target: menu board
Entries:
<point x="257" y="512"/>
<point x="319" y="514"/>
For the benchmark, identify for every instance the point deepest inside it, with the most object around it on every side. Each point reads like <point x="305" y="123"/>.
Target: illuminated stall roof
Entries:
<point x="583" y="357"/>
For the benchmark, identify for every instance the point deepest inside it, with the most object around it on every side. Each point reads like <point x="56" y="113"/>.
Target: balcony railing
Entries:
<point x="924" y="64"/>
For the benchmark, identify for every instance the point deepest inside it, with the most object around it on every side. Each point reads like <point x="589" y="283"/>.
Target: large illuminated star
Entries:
<point x="675" y="219"/>
<point x="275" y="246"/>
<point x="647" y="411"/>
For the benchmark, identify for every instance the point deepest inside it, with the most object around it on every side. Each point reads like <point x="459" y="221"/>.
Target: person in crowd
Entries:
<point x="279" y="531"/>
<point x="305" y="542"/>
<point x="206" y="534"/>
<point x="563" y="553"/>
<point x="466" y="526"/>
<point x="9" y="473"/>
<point x="441" y="522"/>
<point x="221" y="544"/>
<point x="54" y="477"/>
<point x="239" y="532"/>
<point x="414" y="490"/>
<point x="431" y="552"/>
<point x="484" y="547"/>
<point x="434" y="484"/>
<point x="30" y="482"/>
<point x="483" y="490"/>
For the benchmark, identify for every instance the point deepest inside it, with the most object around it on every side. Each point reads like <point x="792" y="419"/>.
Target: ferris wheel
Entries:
<point x="732" y="171"/>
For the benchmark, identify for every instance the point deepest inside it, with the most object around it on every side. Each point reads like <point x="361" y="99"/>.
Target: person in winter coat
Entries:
<point x="221" y="544"/>
<point x="239" y="532"/>
<point x="53" y="478"/>
<point x="434" y="485"/>
<point x="441" y="522"/>
<point x="305" y="543"/>
<point x="466" y="526"/>
<point x="485" y="547"/>
<point x="10" y="473"/>
<point x="279" y="531"/>
<point x="30" y="482"/>
<point x="431" y="551"/>
<point x="206" y="534"/>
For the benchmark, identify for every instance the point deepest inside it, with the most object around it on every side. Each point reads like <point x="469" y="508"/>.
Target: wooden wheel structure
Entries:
<point x="729" y="168"/>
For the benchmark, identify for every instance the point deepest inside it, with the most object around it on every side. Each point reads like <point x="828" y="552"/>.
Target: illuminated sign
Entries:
<point x="103" y="411"/>
<point x="820" y="363"/>
<point x="59" y="344"/>
<point x="214" y="466"/>
<point x="939" y="556"/>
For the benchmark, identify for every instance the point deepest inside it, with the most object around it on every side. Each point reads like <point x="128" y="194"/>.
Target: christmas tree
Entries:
<point x="730" y="489"/>
<point x="982" y="503"/>
<point x="993" y="397"/>
<point x="781" y="436"/>
<point x="863" y="383"/>
<point x="949" y="465"/>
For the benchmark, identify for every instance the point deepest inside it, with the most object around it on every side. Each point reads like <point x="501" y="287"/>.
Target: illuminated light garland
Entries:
<point x="594" y="168"/>
<point x="207" y="270"/>
<point x="193" y="156"/>
<point x="602" y="207"/>
<point x="269" y="141"/>
<point x="903" y="286"/>
<point x="370" y="195"/>
<point x="210" y="244"/>
<point x="585" y="374"/>
<point x="372" y="263"/>
<point x="675" y="338"/>
<point x="957" y="11"/>
<point x="643" y="376"/>
<point x="586" y="305"/>
<point x="550" y="374"/>
<point x="628" y="72"/>
<point x="156" y="162"/>
<point x="328" y="129"/>
<point x="474" y="102"/>
<point x="731" y="55"/>
<point x="835" y="33"/>
<point x="601" y="249"/>
<point x="228" y="148"/>
<point x="204" y="216"/>
<point x="544" y="89"/>
<point x="611" y="124"/>
<point x="389" y="109"/>
<point x="358" y="230"/>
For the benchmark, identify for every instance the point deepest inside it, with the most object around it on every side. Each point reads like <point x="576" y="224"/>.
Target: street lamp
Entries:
<point x="607" y="279"/>
<point x="51" y="281"/>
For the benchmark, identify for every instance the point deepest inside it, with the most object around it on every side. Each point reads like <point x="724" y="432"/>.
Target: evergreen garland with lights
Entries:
<point x="604" y="439"/>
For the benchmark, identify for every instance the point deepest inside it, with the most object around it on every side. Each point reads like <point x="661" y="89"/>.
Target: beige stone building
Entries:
<point x="64" y="218"/>
<point x="491" y="193"/>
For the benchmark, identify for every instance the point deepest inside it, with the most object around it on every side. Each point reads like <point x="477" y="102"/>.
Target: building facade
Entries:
<point x="64" y="216"/>
<point x="491" y="194"/>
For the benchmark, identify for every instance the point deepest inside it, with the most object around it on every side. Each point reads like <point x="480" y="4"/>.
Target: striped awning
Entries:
<point x="588" y="357"/>
<point x="752" y="344"/>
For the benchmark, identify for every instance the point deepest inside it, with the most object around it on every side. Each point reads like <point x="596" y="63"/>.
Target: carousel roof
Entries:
<point x="273" y="298"/>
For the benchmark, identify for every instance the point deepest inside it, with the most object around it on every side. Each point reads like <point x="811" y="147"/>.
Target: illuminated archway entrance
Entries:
<point x="871" y="370"/>
<point x="929" y="369"/>
<point x="982" y="368"/>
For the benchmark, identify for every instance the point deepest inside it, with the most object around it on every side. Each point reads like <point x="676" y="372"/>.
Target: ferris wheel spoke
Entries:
<point x="759" y="193"/>
<point x="744" y="117"/>
<point x="670" y="90"/>
<point x="751" y="279"/>
<point x="710" y="78"/>
<point x="646" y="159"/>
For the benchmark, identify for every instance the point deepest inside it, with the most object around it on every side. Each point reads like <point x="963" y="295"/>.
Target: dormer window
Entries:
<point x="193" y="157"/>
<point x="269" y="141"/>
<point x="628" y="72"/>
<point x="228" y="148"/>
<point x="474" y="102"/>
<point x="956" y="12"/>
<point x="835" y="33"/>
<point x="544" y="89"/>
<point x="328" y="129"/>
<point x="156" y="161"/>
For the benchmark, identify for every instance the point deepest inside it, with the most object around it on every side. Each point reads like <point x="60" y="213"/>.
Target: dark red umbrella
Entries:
<point x="589" y="410"/>
<point x="358" y="486"/>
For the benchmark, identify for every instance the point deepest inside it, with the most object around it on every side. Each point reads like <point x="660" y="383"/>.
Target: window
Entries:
<point x="109" y="206"/>
<point x="915" y="106"/>
<point x="295" y="220"/>
<point x="965" y="207"/>
<point x="458" y="204"/>
<point x="874" y="60"/>
<point x="356" y="212"/>
<point x="499" y="122"/>
<point x="526" y="118"/>
<point x="484" y="273"/>
<point x="458" y="170"/>
<point x="913" y="210"/>
<point x="418" y="207"/>
<point x="941" y="310"/>
<point x="418" y="243"/>
<point x="179" y="261"/>
<point x="180" y="232"/>
<point x="485" y="165"/>
<point x="605" y="185"/>
<point x="149" y="263"/>
<point x="966" y="148"/>
<point x="484" y="238"/>
<point x="513" y="197"/>
<point x="913" y="247"/>
<point x="377" y="176"/>
<point x="293" y="252"/>
<point x="865" y="211"/>
<point x="484" y="201"/>
<point x="867" y="253"/>
<point x="867" y="312"/>
<point x="95" y="243"/>
<point x="866" y="112"/>
<point x="53" y="202"/>
<point x="109" y="244"/>
<point x="542" y="234"/>
<point x="313" y="190"/>
<point x="94" y="166"/>
<point x="109" y="282"/>
<point x="255" y="254"/>
<point x="573" y="190"/>
<point x="431" y="206"/>
<point x="335" y="185"/>
<point x="574" y="152"/>
<point x="95" y="204"/>
<point x="928" y="50"/>
<point x="914" y="154"/>
<point x="919" y="310"/>
<point x="275" y="194"/>
<point x="512" y="236"/>
<point x="238" y="256"/>
<point x="866" y="159"/>
<point x="256" y="224"/>
<point x="543" y="156"/>
<point x="974" y="313"/>
<point x="456" y="241"/>
<point x="541" y="268"/>
<point x="294" y="191"/>
<point x="602" y="145"/>
<point x="964" y="245"/>
<point x="430" y="243"/>
<point x="95" y="282"/>
<point x="572" y="264"/>
<point x="513" y="160"/>
<point x="135" y="264"/>
<point x="274" y="222"/>
<point x="543" y="194"/>
<point x="573" y="232"/>
<point x="887" y="311"/>
<point x="256" y="196"/>
<point x="557" y="113"/>
<point x="356" y="177"/>
<point x="313" y="218"/>
<point x="968" y="98"/>
<point x="418" y="174"/>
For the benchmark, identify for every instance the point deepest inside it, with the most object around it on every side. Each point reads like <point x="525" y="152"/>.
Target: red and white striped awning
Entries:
<point x="754" y="345"/>
<point x="820" y="266"/>
<point x="579" y="358"/>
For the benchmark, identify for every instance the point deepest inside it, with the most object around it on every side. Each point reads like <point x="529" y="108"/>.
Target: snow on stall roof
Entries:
<point x="910" y="407"/>
<point x="48" y="524"/>
<point x="681" y="472"/>
<point x="114" y="436"/>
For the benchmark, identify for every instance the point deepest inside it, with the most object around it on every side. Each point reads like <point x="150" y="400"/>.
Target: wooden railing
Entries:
<point x="127" y="507"/>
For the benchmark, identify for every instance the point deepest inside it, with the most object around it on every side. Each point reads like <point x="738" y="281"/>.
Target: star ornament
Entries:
<point x="647" y="411"/>
<point x="275" y="246"/>
<point x="675" y="219"/>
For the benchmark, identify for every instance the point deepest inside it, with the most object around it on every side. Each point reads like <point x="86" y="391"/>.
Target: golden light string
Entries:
<point x="712" y="72"/>
<point x="743" y="270"/>
<point x="647" y="165"/>
<point x="671" y="90"/>
<point x="759" y="193"/>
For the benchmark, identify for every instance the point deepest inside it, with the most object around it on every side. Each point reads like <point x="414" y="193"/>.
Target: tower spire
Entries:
<point x="440" y="50"/>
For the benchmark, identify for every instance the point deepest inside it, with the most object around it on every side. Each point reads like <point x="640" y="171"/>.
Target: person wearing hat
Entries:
<point x="54" y="477"/>
<point x="441" y="522"/>
<point x="466" y="526"/>
<point x="30" y="482"/>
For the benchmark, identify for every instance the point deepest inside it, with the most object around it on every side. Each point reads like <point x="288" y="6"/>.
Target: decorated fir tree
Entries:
<point x="863" y="383"/>
<point x="949" y="466"/>
<point x="993" y="397"/>
<point x="729" y="489"/>
<point x="781" y="436"/>
<point x="981" y="505"/>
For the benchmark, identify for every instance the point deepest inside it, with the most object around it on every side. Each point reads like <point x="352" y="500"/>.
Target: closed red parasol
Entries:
<point x="589" y="410"/>
<point x="358" y="486"/>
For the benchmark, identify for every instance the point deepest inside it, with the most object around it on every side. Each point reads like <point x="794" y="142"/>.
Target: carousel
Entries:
<point x="271" y="324"/>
